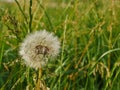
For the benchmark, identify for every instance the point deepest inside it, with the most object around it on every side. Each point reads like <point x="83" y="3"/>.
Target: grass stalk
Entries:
<point x="100" y="58"/>
<point x="1" y="54"/>
<point x="20" y="8"/>
<point x="50" y="23"/>
<point x="30" y="15"/>
<point x="117" y="73"/>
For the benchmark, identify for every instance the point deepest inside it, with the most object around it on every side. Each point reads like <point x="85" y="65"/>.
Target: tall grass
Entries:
<point x="89" y="32"/>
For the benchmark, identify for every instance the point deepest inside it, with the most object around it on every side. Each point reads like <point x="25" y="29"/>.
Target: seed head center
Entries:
<point x="39" y="49"/>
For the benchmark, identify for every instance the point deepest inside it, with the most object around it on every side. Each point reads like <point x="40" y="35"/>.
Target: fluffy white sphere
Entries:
<point x="37" y="47"/>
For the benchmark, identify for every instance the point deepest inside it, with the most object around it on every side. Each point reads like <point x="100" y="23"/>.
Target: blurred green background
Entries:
<point x="89" y="32"/>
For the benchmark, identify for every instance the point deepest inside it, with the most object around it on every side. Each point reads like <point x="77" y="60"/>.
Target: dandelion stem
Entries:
<point x="38" y="81"/>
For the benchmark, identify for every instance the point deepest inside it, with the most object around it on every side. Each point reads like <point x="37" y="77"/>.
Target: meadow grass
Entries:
<point x="89" y="32"/>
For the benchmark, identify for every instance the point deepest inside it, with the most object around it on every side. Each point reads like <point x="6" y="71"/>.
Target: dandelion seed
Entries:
<point x="37" y="47"/>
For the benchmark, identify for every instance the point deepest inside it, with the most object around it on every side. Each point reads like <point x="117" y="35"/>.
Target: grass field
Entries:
<point x="89" y="33"/>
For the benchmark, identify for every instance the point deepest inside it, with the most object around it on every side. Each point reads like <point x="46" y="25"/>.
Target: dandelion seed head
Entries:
<point x="37" y="47"/>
